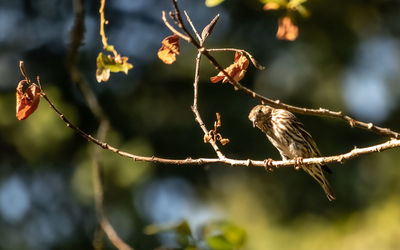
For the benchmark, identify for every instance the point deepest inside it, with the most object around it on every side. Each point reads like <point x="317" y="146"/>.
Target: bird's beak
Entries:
<point x="254" y="122"/>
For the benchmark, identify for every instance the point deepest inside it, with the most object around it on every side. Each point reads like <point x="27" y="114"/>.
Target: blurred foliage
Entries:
<point x="346" y="57"/>
<point x="216" y="235"/>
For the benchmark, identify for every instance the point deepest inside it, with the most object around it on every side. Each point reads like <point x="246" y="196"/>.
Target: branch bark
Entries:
<point x="264" y="100"/>
<point x="196" y="111"/>
<point x="393" y="143"/>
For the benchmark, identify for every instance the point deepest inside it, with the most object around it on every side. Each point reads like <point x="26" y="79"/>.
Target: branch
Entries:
<point x="277" y="103"/>
<point x="184" y="37"/>
<point x="103" y="21"/>
<point x="196" y="112"/>
<point x="393" y="143"/>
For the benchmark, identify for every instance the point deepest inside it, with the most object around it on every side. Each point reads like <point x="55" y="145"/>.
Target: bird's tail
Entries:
<point x="318" y="175"/>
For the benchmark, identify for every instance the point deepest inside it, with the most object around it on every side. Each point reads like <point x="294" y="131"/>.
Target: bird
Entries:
<point x="288" y="135"/>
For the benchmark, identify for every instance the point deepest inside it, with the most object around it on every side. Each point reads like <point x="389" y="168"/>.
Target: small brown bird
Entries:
<point x="288" y="135"/>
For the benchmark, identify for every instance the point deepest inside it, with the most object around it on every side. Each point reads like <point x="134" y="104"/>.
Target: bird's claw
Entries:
<point x="298" y="162"/>
<point x="268" y="164"/>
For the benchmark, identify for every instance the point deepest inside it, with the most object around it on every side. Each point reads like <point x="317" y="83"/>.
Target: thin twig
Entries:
<point x="184" y="37"/>
<point x="277" y="103"/>
<point x="195" y="109"/>
<point x="182" y="26"/>
<point x="253" y="60"/>
<point x="393" y="143"/>
<point x="192" y="26"/>
<point x="103" y="21"/>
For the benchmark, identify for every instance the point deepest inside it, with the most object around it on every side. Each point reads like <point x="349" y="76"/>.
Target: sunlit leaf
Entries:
<point x="303" y="11"/>
<point x="183" y="234"/>
<point x="27" y="99"/>
<point x="296" y="5"/>
<point x="219" y="242"/>
<point x="213" y="3"/>
<point x="236" y="70"/>
<point x="271" y="6"/>
<point x="108" y="63"/>
<point x="169" y="49"/>
<point x="181" y="228"/>
<point x="224" y="235"/>
<point x="110" y="48"/>
<point x="224" y="141"/>
<point x="234" y="234"/>
<point x="281" y="3"/>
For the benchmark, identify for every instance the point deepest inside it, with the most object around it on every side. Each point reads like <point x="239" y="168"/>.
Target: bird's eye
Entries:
<point x="259" y="111"/>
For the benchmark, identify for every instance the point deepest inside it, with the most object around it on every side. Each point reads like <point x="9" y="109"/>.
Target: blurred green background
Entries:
<point x="347" y="57"/>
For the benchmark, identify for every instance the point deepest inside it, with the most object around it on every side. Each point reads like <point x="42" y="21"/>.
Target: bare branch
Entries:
<point x="23" y="72"/>
<point x="196" y="112"/>
<point x="192" y="26"/>
<point x="184" y="37"/>
<point x="278" y="104"/>
<point x="251" y="57"/>
<point x="103" y="21"/>
<point x="393" y="143"/>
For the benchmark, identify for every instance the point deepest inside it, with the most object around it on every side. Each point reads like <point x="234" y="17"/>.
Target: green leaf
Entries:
<point x="213" y="3"/>
<point x="281" y="3"/>
<point x="294" y="4"/>
<point x="183" y="228"/>
<point x="219" y="242"/>
<point x="303" y="11"/>
<point x="224" y="235"/>
<point x="234" y="234"/>
<point x="107" y="63"/>
<point x="183" y="237"/>
<point x="110" y="48"/>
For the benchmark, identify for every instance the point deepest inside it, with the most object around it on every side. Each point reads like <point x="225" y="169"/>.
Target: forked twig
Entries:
<point x="393" y="143"/>
<point x="192" y="25"/>
<point x="196" y="111"/>
<point x="277" y="103"/>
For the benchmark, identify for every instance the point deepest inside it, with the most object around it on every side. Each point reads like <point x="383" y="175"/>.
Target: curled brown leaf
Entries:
<point x="27" y="99"/>
<point x="287" y="30"/>
<point x="237" y="70"/>
<point x="169" y="49"/>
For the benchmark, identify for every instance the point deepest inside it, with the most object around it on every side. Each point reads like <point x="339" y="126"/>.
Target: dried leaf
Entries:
<point x="102" y="74"/>
<point x="108" y="63"/>
<point x="207" y="138"/>
<point x="287" y="30"/>
<point x="236" y="70"/>
<point x="218" y="124"/>
<point x="27" y="100"/>
<point x="169" y="49"/>
<point x="224" y="141"/>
